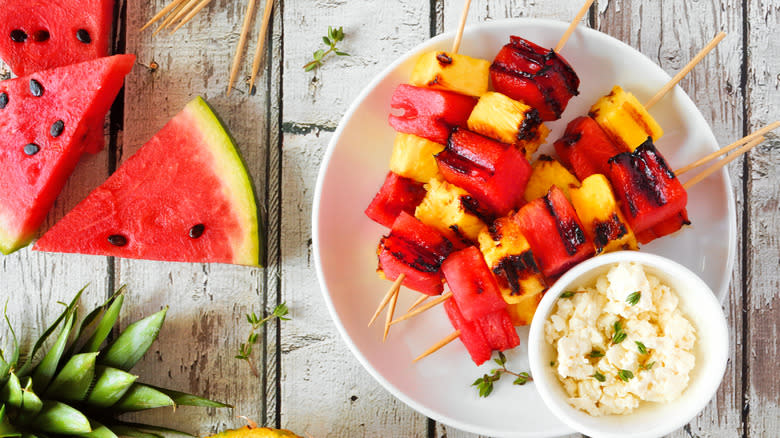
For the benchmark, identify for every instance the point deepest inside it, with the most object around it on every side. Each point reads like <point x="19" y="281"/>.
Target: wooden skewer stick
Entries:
<point x="419" y="301"/>
<point x="188" y="6"/>
<point x="459" y="35"/>
<point x="172" y="5"/>
<point x="169" y="19"/>
<point x="436" y="347"/>
<point x="715" y="167"/>
<point x="682" y="73"/>
<point x="241" y="44"/>
<point x="396" y="285"/>
<point x="269" y="5"/>
<point x="191" y="14"/>
<point x="729" y="148"/>
<point x="573" y="25"/>
<point x="422" y="309"/>
<point x="390" y="312"/>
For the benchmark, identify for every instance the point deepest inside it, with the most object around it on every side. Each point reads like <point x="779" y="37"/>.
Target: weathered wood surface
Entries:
<point x="309" y="380"/>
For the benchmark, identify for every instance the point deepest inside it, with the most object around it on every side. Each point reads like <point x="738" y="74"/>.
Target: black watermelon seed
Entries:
<point x="57" y="128"/>
<point x="117" y="240"/>
<point x="83" y="36"/>
<point x="197" y="231"/>
<point x="18" y="36"/>
<point x="36" y="88"/>
<point x="3" y="100"/>
<point x="41" y="35"/>
<point x="31" y="149"/>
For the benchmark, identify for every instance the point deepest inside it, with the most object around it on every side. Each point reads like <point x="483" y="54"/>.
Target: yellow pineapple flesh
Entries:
<point x="625" y="119"/>
<point x="508" y="121"/>
<point x="522" y="312"/>
<point x="413" y="157"/>
<point x="447" y="208"/>
<point x="252" y="431"/>
<point x="604" y="223"/>
<point x="509" y="256"/>
<point x="451" y="71"/>
<point x="547" y="172"/>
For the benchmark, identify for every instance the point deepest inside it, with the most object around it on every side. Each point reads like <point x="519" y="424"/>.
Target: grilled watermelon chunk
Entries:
<point x="494" y="173"/>
<point x="585" y="148"/>
<point x="535" y="76"/>
<point x="38" y="35"/>
<point x="415" y="250"/>
<point x="470" y="334"/>
<point x="184" y="196"/>
<point x="556" y="235"/>
<point x="648" y="190"/>
<point x="44" y="118"/>
<point x="397" y="194"/>
<point x="472" y="285"/>
<point x="429" y="113"/>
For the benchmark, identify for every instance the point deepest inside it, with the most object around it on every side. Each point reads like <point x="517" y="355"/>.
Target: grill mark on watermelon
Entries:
<point x="571" y="234"/>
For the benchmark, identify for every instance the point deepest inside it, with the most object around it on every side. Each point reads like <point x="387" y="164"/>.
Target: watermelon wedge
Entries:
<point x="184" y="196"/>
<point x="38" y="35"/>
<point x="44" y="119"/>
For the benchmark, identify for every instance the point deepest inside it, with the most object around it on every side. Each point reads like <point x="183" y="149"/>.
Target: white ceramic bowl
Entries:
<point x="698" y="304"/>
<point x="345" y="240"/>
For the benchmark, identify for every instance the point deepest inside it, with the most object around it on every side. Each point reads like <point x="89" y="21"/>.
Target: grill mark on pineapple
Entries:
<point x="529" y="127"/>
<point x="606" y="231"/>
<point x="571" y="234"/>
<point x="444" y="59"/>
<point x="511" y="270"/>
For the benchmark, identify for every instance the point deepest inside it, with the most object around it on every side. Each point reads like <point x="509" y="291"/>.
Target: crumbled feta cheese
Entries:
<point x="586" y="322"/>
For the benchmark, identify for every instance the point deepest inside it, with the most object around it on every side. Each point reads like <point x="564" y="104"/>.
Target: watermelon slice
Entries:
<point x="44" y="118"/>
<point x="184" y="196"/>
<point x="38" y="35"/>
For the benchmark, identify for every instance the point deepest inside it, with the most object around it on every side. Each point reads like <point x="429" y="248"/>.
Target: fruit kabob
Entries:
<point x="480" y="174"/>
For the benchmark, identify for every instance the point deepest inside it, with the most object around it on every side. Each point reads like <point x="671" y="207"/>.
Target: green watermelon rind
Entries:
<point x="230" y="169"/>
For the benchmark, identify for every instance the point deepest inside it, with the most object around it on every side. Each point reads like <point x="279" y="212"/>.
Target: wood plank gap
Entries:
<point x="745" y="253"/>
<point x="593" y="15"/>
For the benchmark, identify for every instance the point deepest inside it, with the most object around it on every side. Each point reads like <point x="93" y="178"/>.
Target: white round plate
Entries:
<point x="345" y="240"/>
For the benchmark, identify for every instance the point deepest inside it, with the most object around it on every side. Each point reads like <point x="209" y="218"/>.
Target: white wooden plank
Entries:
<point x="671" y="33"/>
<point x="206" y="322"/>
<point x="763" y="195"/>
<point x="325" y="392"/>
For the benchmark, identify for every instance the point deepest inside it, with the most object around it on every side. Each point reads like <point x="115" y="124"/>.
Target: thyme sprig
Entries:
<point x="619" y="335"/>
<point x="334" y="36"/>
<point x="485" y="383"/>
<point x="633" y="298"/>
<point x="245" y="350"/>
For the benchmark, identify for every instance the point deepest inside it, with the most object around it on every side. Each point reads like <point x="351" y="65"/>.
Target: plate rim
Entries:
<point x="326" y="159"/>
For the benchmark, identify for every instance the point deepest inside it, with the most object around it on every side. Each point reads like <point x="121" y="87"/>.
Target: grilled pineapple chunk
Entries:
<point x="447" y="208"/>
<point x="451" y="71"/>
<point x="625" y="119"/>
<point x="413" y="157"/>
<point x="522" y="312"/>
<point x="509" y="256"/>
<point x="547" y="172"/>
<point x="508" y="121"/>
<point x="596" y="207"/>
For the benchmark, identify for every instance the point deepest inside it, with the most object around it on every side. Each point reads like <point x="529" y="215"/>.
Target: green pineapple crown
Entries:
<point x="79" y="389"/>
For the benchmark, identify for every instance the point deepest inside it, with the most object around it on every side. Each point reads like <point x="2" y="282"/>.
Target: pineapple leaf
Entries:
<point x="107" y="322"/>
<point x="89" y="324"/>
<point x="48" y="366"/>
<point x="27" y="366"/>
<point x="133" y="432"/>
<point x="184" y="399"/>
<point x="99" y="431"/>
<point x="73" y="381"/>
<point x="11" y="393"/>
<point x="133" y="343"/>
<point x="110" y="385"/>
<point x="59" y="418"/>
<point x="150" y="428"/>
<point x="6" y="429"/>
<point x="141" y="397"/>
<point x="31" y="405"/>
<point x="6" y="367"/>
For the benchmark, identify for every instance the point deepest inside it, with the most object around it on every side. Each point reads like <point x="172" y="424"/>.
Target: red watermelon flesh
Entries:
<point x="35" y="163"/>
<point x="184" y="196"/>
<point x="38" y="35"/>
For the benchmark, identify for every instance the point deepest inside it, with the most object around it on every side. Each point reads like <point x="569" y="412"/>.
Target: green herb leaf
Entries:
<point x="552" y="363"/>
<point x="648" y="365"/>
<point x="326" y="40"/>
<point x="596" y="353"/>
<point x="333" y="37"/>
<point x="598" y="376"/>
<point x="522" y="379"/>
<point x="625" y="375"/>
<point x="633" y="298"/>
<point x="641" y="347"/>
<point x="341" y="53"/>
<point x="484" y="384"/>
<point x="619" y="335"/>
<point x="567" y="294"/>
